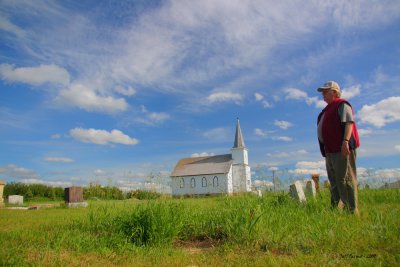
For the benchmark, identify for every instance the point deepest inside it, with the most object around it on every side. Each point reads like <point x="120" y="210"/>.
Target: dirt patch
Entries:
<point x="197" y="246"/>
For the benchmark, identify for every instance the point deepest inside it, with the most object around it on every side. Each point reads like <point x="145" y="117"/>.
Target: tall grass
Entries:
<point x="273" y="230"/>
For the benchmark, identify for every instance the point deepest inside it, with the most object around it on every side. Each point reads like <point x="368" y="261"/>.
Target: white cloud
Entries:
<point x="224" y="97"/>
<point x="258" y="96"/>
<point x="151" y="118"/>
<point x="102" y="137"/>
<point x="18" y="172"/>
<point x="58" y="159"/>
<point x="282" y="138"/>
<point x="260" y="132"/>
<point x="35" y="75"/>
<point x="364" y="132"/>
<point x="283" y="124"/>
<point x="48" y="183"/>
<point x="99" y="172"/>
<point x="379" y="114"/>
<point x="126" y="91"/>
<point x="351" y="91"/>
<point x="85" y="98"/>
<point x="397" y="147"/>
<point x="388" y="173"/>
<point x="296" y="94"/>
<point x="263" y="183"/>
<point x="157" y="117"/>
<point x="309" y="167"/>
<point x="8" y="26"/>
<point x="273" y="168"/>
<point x="202" y="154"/>
<point x="55" y="136"/>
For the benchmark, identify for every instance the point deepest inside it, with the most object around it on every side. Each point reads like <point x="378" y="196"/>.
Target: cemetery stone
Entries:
<point x="297" y="192"/>
<point x="74" y="197"/>
<point x="16" y="200"/>
<point x="1" y="192"/>
<point x="310" y="189"/>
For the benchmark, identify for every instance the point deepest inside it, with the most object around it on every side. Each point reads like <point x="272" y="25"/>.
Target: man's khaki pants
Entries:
<point x="342" y="175"/>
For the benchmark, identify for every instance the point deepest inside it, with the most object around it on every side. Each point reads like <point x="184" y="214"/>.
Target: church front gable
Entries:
<point x="200" y="184"/>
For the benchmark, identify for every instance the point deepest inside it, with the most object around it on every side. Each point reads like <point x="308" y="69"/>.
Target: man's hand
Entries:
<point x="345" y="148"/>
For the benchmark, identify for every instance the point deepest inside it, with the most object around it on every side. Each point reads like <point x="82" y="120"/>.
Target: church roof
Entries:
<point x="203" y="165"/>
<point x="239" y="141"/>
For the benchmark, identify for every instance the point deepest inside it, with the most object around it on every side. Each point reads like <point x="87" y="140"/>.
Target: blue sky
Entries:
<point x="116" y="92"/>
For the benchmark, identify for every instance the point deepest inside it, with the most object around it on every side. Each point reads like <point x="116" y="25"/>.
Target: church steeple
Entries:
<point x="239" y="141"/>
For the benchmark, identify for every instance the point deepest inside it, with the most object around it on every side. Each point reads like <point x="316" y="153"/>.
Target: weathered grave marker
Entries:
<point x="310" y="189"/>
<point x="74" y="197"/>
<point x="297" y="192"/>
<point x="16" y="200"/>
<point x="1" y="193"/>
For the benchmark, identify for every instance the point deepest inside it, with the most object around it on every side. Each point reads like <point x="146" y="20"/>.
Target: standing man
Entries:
<point x="338" y="141"/>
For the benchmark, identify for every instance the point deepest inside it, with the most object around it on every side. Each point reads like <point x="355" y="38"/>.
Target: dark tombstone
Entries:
<point x="73" y="194"/>
<point x="74" y="197"/>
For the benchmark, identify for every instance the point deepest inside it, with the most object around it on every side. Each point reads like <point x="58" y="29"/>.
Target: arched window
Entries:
<point x="204" y="182"/>
<point x="182" y="183"/>
<point x="215" y="181"/>
<point x="193" y="182"/>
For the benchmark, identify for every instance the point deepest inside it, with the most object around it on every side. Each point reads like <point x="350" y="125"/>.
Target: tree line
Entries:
<point x="93" y="191"/>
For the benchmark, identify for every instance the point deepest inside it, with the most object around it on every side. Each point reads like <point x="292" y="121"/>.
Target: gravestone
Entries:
<point x="296" y="191"/>
<point x="74" y="197"/>
<point x="16" y="200"/>
<point x="310" y="189"/>
<point x="1" y="193"/>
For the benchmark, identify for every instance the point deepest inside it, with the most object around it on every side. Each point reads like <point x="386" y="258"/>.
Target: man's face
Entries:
<point x="329" y="95"/>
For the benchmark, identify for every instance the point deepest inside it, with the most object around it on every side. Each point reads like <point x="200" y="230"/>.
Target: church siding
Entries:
<point x="200" y="184"/>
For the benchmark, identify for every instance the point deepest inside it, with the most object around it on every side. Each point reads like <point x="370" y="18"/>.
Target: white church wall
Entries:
<point x="200" y="184"/>
<point x="240" y="155"/>
<point x="241" y="178"/>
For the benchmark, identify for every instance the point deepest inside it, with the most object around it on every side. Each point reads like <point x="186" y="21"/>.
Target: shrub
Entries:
<point x="142" y="194"/>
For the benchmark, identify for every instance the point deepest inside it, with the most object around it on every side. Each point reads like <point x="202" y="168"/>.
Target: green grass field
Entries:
<point x="219" y="231"/>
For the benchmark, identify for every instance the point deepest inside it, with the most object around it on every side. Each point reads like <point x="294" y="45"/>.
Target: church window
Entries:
<point x="182" y="183"/>
<point x="193" y="182"/>
<point x="204" y="182"/>
<point x="215" y="181"/>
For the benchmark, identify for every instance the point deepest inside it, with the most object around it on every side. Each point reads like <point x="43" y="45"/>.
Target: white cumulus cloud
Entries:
<point x="260" y="132"/>
<point x="126" y="91"/>
<point x="18" y="172"/>
<point x="283" y="124"/>
<point x="351" y="91"/>
<point x="35" y="75"/>
<point x="102" y="137"/>
<point x="309" y="167"/>
<point x="260" y="98"/>
<point x="202" y="154"/>
<point x="282" y="138"/>
<point x="379" y="114"/>
<point x="224" y="97"/>
<point x="85" y="98"/>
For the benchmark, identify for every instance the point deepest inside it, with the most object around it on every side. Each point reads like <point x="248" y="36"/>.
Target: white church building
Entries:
<point x="220" y="174"/>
